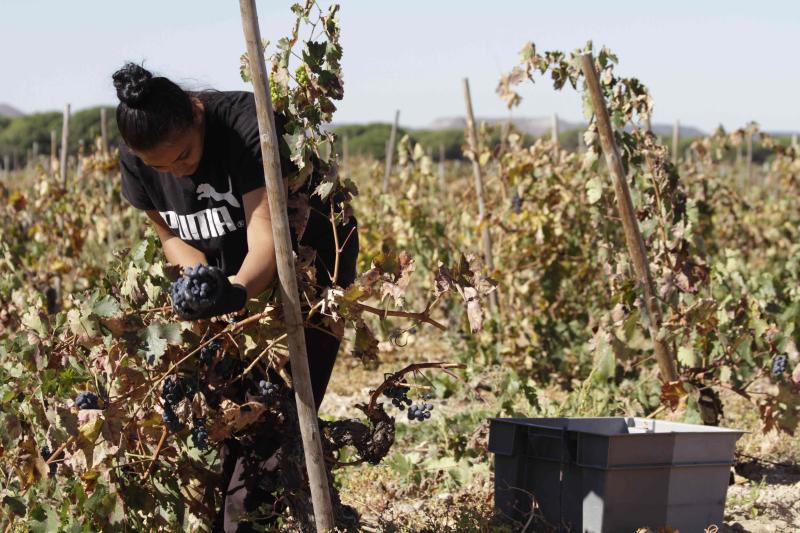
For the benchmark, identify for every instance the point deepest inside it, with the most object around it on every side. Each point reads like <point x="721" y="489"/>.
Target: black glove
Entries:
<point x="204" y="292"/>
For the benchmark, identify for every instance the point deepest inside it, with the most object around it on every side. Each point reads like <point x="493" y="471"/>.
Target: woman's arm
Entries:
<point x="259" y="266"/>
<point x="177" y="251"/>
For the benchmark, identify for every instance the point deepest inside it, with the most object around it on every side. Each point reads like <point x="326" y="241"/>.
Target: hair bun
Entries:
<point x="132" y="83"/>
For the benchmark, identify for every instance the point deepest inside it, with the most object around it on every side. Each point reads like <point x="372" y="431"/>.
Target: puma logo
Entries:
<point x="205" y="190"/>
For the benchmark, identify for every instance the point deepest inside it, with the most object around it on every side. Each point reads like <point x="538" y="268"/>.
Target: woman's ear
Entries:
<point x="198" y="109"/>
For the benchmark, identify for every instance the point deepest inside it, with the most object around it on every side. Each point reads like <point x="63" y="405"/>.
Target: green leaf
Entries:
<point x="594" y="189"/>
<point x="16" y="505"/>
<point x="106" y="307"/>
<point x="687" y="356"/>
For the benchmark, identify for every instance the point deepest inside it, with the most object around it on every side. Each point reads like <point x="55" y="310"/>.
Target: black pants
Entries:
<point x="322" y="347"/>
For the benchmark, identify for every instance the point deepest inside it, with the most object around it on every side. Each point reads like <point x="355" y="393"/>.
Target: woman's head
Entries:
<point x="159" y="121"/>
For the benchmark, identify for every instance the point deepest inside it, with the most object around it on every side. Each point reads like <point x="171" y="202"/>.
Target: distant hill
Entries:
<point x="7" y="110"/>
<point x="537" y="126"/>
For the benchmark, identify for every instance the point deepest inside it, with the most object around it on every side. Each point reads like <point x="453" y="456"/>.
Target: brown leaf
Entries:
<point x="299" y="211"/>
<point x="232" y="417"/>
<point x="671" y="394"/>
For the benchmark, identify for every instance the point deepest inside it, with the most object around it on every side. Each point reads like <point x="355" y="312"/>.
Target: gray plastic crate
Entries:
<point x="612" y="474"/>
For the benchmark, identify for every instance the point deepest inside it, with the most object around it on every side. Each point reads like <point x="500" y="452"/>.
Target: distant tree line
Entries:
<point x="18" y="134"/>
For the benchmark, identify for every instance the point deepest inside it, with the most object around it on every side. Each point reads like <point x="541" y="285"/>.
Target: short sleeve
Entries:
<point x="247" y="163"/>
<point x="132" y="189"/>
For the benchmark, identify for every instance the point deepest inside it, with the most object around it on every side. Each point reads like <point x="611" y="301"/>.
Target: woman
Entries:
<point x="192" y="162"/>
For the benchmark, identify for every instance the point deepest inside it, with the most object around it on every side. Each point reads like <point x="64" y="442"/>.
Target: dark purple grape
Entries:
<point x="268" y="390"/>
<point x="195" y="290"/>
<point x="171" y="419"/>
<point x="779" y="364"/>
<point x="86" y="400"/>
<point x="52" y="467"/>
<point x="172" y="391"/>
<point x="516" y="203"/>
<point x="208" y="352"/>
<point x="199" y="433"/>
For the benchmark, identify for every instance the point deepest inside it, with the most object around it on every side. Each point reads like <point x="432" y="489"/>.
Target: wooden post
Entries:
<point x="676" y="137"/>
<point x="442" y="184"/>
<point x="53" y="152"/>
<point x="390" y="152"/>
<point x="633" y="236"/>
<point x="110" y="214"/>
<point x="79" y="159"/>
<point x="103" y="130"/>
<point x="346" y="156"/>
<point x="749" y="154"/>
<point x="472" y="135"/>
<point x="64" y="146"/>
<point x="554" y="134"/>
<point x="53" y="296"/>
<point x="738" y="157"/>
<point x="306" y="409"/>
<point x="6" y="165"/>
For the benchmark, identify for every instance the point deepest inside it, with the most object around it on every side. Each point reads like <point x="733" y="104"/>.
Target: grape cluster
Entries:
<point x="226" y="367"/>
<point x="268" y="390"/>
<point x="779" y="364"/>
<point x="194" y="291"/>
<point x="420" y="412"/>
<point x="86" y="400"/>
<point x="208" y="352"/>
<point x="171" y="419"/>
<point x="52" y="467"/>
<point x="399" y="395"/>
<point x="516" y="203"/>
<point x="172" y="392"/>
<point x="301" y="75"/>
<point x="199" y="433"/>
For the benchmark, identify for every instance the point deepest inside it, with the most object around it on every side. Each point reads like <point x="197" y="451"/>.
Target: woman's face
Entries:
<point x="181" y="153"/>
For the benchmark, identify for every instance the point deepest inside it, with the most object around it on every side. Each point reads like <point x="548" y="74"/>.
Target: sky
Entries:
<point x="706" y="62"/>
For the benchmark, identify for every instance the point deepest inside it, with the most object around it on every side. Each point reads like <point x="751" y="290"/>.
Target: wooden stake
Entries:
<point x="110" y="215"/>
<point x="53" y="152"/>
<point x="749" y="155"/>
<point x="633" y="236"/>
<point x="6" y="165"/>
<point x="64" y="146"/>
<point x="390" y="152"/>
<point x="676" y="137"/>
<point x="554" y="135"/>
<point x="483" y="222"/>
<point x="306" y="409"/>
<point x="442" y="184"/>
<point x="103" y="130"/>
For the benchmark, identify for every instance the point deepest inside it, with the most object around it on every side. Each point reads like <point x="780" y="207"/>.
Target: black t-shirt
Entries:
<point x="206" y="209"/>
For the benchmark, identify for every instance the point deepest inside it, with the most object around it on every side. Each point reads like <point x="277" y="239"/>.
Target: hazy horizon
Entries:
<point x="706" y="63"/>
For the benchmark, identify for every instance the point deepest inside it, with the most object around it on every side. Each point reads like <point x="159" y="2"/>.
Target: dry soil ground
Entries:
<point x="764" y="495"/>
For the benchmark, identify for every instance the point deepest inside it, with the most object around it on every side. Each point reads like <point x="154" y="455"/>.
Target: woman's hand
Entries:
<point x="205" y="292"/>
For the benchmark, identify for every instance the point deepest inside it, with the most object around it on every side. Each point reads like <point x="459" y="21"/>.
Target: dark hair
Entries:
<point x="150" y="109"/>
